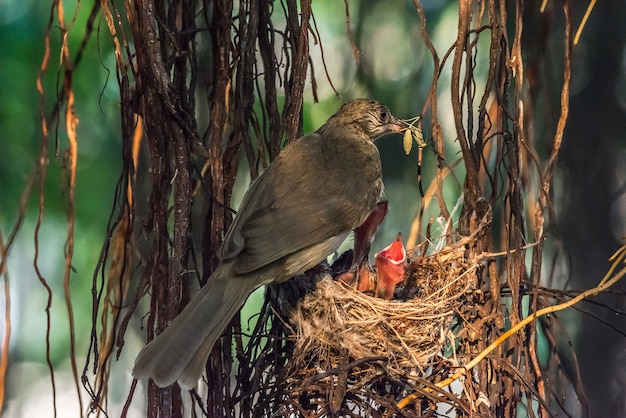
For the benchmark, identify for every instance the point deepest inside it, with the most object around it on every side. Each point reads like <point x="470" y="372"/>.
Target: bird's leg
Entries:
<point x="363" y="237"/>
<point x="360" y="269"/>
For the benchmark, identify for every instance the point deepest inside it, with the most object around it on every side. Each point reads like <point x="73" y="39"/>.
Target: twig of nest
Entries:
<point x="338" y="328"/>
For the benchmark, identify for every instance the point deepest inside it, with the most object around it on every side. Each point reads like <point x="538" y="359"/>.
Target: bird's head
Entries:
<point x="390" y="266"/>
<point x="371" y="117"/>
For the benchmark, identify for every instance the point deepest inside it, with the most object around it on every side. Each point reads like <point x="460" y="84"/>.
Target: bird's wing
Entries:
<point x="282" y="214"/>
<point x="290" y="233"/>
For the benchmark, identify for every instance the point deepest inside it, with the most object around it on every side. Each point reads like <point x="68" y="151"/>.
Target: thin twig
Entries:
<point x="607" y="281"/>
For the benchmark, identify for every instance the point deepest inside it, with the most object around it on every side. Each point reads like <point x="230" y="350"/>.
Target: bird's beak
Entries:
<point x="397" y="126"/>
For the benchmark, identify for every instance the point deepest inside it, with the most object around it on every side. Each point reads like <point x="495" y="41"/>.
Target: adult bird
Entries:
<point x="319" y="189"/>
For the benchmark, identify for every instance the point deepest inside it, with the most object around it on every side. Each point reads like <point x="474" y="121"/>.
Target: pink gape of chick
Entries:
<point x="390" y="266"/>
<point x="319" y="189"/>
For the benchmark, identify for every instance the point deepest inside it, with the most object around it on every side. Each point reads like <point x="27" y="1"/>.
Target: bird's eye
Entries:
<point x="384" y="114"/>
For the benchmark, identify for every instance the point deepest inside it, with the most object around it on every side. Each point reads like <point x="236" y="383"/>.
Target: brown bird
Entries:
<point x="318" y="189"/>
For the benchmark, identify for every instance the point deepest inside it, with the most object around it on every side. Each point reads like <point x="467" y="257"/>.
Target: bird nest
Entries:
<point x="354" y="351"/>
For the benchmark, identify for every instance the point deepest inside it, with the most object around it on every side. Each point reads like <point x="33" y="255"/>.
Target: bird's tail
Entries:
<point x="180" y="352"/>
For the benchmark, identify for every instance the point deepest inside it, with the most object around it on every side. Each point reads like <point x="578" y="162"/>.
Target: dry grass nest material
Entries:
<point x="336" y="318"/>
